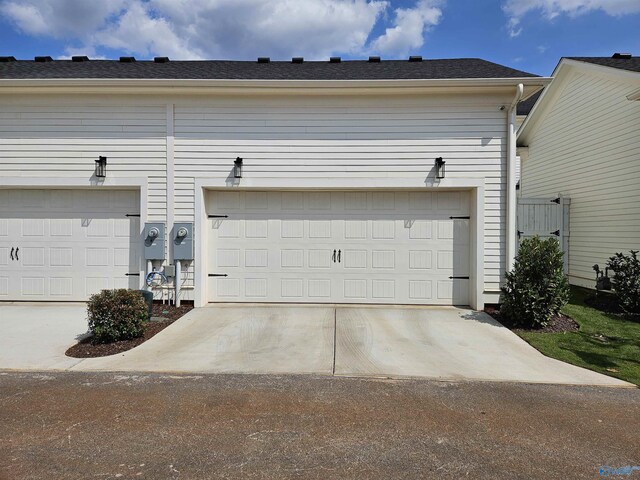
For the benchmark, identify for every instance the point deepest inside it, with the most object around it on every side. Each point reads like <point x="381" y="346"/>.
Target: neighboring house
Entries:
<point x="582" y="140"/>
<point x="337" y="200"/>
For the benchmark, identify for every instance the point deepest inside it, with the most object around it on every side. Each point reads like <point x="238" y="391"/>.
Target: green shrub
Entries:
<point x="116" y="315"/>
<point x="626" y="280"/>
<point x="536" y="288"/>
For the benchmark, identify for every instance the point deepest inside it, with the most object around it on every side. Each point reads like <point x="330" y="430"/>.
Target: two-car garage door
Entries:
<point x="67" y="244"/>
<point x="339" y="247"/>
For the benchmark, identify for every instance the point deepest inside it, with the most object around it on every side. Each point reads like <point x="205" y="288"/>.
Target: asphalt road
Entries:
<point x="107" y="426"/>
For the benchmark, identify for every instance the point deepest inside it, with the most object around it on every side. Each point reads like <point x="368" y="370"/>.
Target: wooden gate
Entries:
<point x="547" y="218"/>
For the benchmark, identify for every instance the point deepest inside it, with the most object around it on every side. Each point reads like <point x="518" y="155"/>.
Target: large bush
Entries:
<point x="626" y="280"/>
<point x="116" y="315"/>
<point x="536" y="288"/>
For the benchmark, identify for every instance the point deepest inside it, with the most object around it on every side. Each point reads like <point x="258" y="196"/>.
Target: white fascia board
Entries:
<point x="194" y="86"/>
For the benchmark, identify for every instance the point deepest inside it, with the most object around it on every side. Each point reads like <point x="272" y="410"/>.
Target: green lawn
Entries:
<point x="605" y="343"/>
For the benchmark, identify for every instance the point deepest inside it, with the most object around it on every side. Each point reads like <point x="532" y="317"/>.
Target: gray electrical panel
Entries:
<point x="182" y="241"/>
<point x="154" y="241"/>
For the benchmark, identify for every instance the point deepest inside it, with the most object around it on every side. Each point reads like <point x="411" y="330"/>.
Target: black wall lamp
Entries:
<point x="101" y="167"/>
<point x="440" y="171"/>
<point x="237" y="168"/>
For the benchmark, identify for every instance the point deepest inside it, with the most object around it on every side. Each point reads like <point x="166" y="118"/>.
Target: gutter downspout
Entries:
<point x="511" y="179"/>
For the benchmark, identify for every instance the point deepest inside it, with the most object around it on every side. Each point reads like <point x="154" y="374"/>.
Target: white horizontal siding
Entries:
<point x="61" y="137"/>
<point x="350" y="137"/>
<point x="282" y="136"/>
<point x="587" y="147"/>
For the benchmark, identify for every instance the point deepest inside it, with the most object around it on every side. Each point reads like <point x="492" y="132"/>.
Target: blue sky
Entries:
<point x="530" y="35"/>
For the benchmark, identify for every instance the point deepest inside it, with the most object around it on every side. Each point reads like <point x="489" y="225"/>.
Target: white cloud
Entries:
<point x="235" y="29"/>
<point x="139" y="31"/>
<point x="60" y="18"/>
<point x="517" y="9"/>
<point x="410" y="25"/>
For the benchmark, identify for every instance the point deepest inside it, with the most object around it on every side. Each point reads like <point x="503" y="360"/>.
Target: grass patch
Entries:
<point x="605" y="343"/>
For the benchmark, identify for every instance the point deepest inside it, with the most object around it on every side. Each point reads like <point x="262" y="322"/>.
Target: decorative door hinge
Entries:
<point x="217" y="216"/>
<point x="460" y="218"/>
<point x="132" y="215"/>
<point x="218" y="275"/>
<point x="458" y="278"/>
<point x="132" y="274"/>
<point x="556" y="233"/>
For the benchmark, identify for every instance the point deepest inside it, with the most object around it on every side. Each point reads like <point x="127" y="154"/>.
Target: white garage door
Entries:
<point x="67" y="244"/>
<point x="339" y="247"/>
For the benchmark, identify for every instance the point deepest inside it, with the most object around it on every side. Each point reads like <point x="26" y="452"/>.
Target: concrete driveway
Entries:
<point x="235" y="339"/>
<point x="441" y="343"/>
<point x="36" y="335"/>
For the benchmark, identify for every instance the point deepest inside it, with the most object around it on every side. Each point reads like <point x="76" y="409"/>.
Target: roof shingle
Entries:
<point x="246" y="70"/>
<point x="525" y="107"/>
<point x="632" y="64"/>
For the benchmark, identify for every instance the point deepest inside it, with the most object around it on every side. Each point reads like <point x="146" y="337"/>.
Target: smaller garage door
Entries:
<point x="67" y="244"/>
<point x="339" y="247"/>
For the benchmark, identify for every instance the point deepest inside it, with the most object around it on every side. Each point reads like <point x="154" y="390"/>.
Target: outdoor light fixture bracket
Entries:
<point x="440" y="169"/>
<point x="237" y="168"/>
<point x="101" y="167"/>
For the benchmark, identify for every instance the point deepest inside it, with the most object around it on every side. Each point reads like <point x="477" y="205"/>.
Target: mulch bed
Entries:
<point x="558" y="324"/>
<point x="164" y="315"/>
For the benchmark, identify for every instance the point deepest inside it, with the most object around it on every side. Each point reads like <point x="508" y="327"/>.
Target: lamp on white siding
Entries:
<point x="237" y="168"/>
<point x="101" y="167"/>
<point x="440" y="169"/>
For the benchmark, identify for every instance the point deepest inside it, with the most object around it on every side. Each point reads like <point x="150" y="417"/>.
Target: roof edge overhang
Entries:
<point x="282" y="87"/>
<point x="564" y="65"/>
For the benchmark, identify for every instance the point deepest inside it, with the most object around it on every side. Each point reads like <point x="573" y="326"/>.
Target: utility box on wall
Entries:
<point x="182" y="241"/>
<point x="154" y="241"/>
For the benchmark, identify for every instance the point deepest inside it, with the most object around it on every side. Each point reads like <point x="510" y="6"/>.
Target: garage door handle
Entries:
<point x="334" y="256"/>
<point x="17" y="250"/>
<point x="11" y="254"/>
<point x="338" y="256"/>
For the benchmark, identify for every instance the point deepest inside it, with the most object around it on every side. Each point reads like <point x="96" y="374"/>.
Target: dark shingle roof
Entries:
<point x="632" y="64"/>
<point x="246" y="70"/>
<point x="525" y="107"/>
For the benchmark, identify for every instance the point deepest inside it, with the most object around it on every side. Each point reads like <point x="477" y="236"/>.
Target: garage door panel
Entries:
<point x="292" y="288"/>
<point x="319" y="259"/>
<point x="61" y="227"/>
<point x="319" y="288"/>
<point x="394" y="247"/>
<point x="72" y="243"/>
<point x="420" y="259"/>
<point x="32" y="256"/>
<point x="292" y="258"/>
<point x="383" y="259"/>
<point x="61" y="286"/>
<point x="421" y="290"/>
<point x="61" y="257"/>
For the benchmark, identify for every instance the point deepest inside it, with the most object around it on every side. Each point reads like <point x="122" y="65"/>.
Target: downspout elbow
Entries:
<point x="518" y="97"/>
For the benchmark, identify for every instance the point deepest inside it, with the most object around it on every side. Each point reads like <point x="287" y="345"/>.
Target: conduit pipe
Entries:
<point x="149" y="270"/>
<point x="177" y="280"/>
<point x="511" y="179"/>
